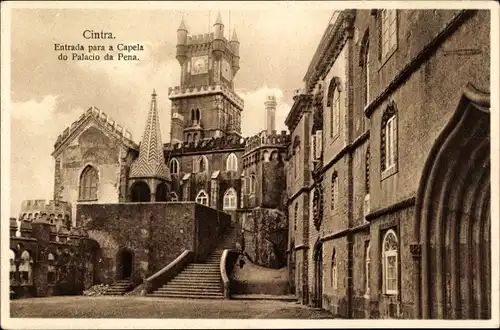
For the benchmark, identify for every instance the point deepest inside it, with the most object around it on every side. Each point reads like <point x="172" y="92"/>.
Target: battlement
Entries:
<point x="263" y="139"/>
<point x="103" y="118"/>
<point x="215" y="143"/>
<point x="32" y="208"/>
<point x="197" y="39"/>
<point x="181" y="92"/>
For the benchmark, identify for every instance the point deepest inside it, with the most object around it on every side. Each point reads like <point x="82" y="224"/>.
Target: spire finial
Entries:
<point x="234" y="37"/>
<point x="182" y="26"/>
<point x="218" y="20"/>
<point x="154" y="93"/>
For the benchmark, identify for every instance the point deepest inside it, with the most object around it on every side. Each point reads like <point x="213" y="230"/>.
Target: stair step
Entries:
<point x="169" y="295"/>
<point x="186" y="290"/>
<point x="190" y="292"/>
<point x="192" y="285"/>
<point x="190" y="282"/>
<point x="201" y="271"/>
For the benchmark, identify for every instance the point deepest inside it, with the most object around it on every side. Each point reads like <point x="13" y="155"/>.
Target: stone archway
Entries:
<point x="125" y="263"/>
<point x="318" y="276"/>
<point x="140" y="192"/>
<point x="161" y="192"/>
<point x="452" y="220"/>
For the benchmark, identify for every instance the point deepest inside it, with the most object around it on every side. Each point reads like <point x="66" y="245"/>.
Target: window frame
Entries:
<point x="199" y="197"/>
<point x="232" y="163"/>
<point x="386" y="254"/>
<point x="388" y="33"/>
<point x="335" y="114"/>
<point x="230" y="195"/>
<point x="89" y="184"/>
<point x="334" y="270"/>
<point x="174" y="164"/>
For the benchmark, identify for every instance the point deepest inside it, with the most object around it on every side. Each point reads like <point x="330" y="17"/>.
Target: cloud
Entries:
<point x="253" y="118"/>
<point x="35" y="126"/>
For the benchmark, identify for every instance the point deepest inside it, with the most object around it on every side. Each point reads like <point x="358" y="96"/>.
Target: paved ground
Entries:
<point x="152" y="307"/>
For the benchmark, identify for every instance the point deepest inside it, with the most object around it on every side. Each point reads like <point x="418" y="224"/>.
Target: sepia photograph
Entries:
<point x="249" y="164"/>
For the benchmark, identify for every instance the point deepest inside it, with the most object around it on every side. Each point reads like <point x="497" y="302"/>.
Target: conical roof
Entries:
<point x="151" y="162"/>
<point x="234" y="37"/>
<point x="218" y="20"/>
<point x="182" y="26"/>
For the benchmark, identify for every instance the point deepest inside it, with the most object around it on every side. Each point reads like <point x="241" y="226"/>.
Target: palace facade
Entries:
<point x="388" y="169"/>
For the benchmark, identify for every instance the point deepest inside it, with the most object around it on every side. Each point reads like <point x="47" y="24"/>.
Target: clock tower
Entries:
<point x="205" y="105"/>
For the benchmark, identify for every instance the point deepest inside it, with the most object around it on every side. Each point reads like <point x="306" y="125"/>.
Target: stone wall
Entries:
<point x="155" y="233"/>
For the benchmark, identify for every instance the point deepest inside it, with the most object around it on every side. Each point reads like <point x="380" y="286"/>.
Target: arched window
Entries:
<point x="202" y="198"/>
<point x="231" y="162"/>
<point x="274" y="156"/>
<point x="252" y="184"/>
<point x="334" y="270"/>
<point x="295" y="216"/>
<point x="174" y="166"/>
<point x="229" y="199"/>
<point x="388" y="140"/>
<point x="266" y="156"/>
<point x="334" y="191"/>
<point x="13" y="270"/>
<point x="367" y="269"/>
<point x="89" y="181"/>
<point x="365" y="66"/>
<point x="296" y="163"/>
<point x="389" y="33"/>
<point x="26" y="268"/>
<point x="200" y="164"/>
<point x="51" y="269"/>
<point x="390" y="262"/>
<point x="333" y="102"/>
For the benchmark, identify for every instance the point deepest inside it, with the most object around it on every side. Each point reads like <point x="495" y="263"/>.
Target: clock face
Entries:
<point x="226" y="70"/>
<point x="199" y="65"/>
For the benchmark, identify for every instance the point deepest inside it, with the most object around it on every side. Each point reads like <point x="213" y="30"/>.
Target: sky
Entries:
<point x="48" y="94"/>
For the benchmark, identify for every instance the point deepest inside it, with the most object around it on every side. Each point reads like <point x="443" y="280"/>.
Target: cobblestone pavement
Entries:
<point x="151" y="307"/>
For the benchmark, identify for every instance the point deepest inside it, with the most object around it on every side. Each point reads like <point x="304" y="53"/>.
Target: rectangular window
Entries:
<point x="319" y="143"/>
<point x="367" y="78"/>
<point x="389" y="32"/>
<point x="313" y="147"/>
<point x="391" y="283"/>
<point x="335" y="115"/>
<point x="390" y="144"/>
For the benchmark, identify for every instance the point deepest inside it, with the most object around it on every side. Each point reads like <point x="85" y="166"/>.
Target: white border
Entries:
<point x="33" y="323"/>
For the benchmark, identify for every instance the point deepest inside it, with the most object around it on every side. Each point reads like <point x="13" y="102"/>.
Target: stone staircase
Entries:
<point x="119" y="288"/>
<point x="199" y="280"/>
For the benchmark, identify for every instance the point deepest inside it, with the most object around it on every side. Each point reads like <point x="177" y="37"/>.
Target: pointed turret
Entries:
<point x="218" y="44"/>
<point x="182" y="33"/>
<point x="151" y="162"/>
<point x="235" y="46"/>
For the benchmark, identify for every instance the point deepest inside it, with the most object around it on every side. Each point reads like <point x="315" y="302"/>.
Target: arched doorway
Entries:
<point x="141" y="192"/>
<point x="125" y="264"/>
<point x="318" y="275"/>
<point x="161" y="192"/>
<point x="452" y="219"/>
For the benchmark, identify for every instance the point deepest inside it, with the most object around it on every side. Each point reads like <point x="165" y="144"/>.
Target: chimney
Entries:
<point x="270" y="113"/>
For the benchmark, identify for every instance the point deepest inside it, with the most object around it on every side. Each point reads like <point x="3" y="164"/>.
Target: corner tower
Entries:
<point x="205" y="104"/>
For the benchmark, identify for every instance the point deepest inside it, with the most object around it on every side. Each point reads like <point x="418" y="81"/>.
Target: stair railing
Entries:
<point x="167" y="273"/>
<point x="227" y="261"/>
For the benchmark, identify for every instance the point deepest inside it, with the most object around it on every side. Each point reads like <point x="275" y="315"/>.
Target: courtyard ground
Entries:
<point x="152" y="307"/>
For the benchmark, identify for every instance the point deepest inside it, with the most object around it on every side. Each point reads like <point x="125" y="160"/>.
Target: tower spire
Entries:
<point x="151" y="162"/>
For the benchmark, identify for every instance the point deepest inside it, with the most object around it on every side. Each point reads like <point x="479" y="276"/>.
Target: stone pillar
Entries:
<point x="416" y="253"/>
<point x="214" y="193"/>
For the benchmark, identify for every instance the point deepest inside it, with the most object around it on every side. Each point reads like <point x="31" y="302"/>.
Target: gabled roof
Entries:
<point x="101" y="120"/>
<point x="151" y="162"/>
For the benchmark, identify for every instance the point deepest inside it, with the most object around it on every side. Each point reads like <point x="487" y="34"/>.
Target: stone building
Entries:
<point x="389" y="167"/>
<point x="143" y="205"/>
